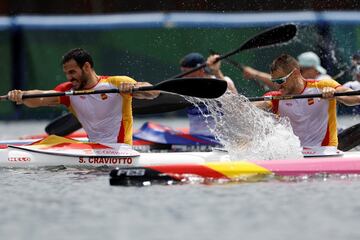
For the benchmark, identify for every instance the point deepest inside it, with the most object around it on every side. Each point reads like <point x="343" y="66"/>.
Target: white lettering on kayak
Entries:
<point x="106" y="160"/>
<point x="131" y="172"/>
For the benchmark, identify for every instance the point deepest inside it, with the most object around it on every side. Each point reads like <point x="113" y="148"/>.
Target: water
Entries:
<point x="248" y="132"/>
<point x="73" y="204"/>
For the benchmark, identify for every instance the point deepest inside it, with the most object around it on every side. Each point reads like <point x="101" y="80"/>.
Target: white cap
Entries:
<point x="310" y="59"/>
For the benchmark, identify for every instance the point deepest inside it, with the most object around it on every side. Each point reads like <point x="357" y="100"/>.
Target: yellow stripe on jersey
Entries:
<point x="323" y="83"/>
<point x="117" y="80"/>
<point x="127" y="118"/>
<point x="332" y="123"/>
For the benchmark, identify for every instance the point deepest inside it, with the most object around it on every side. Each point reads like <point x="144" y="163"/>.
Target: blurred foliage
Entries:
<point x="5" y="72"/>
<point x="153" y="54"/>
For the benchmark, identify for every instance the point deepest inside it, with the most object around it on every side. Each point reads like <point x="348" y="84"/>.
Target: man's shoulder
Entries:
<point x="272" y="105"/>
<point x="322" y="83"/>
<point x="272" y="93"/>
<point x="62" y="87"/>
<point x="117" y="79"/>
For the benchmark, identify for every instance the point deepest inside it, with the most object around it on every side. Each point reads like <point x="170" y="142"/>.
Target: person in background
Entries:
<point x="310" y="68"/>
<point x="313" y="119"/>
<point x="200" y="120"/>
<point x="355" y="72"/>
<point x="212" y="70"/>
<point x="107" y="117"/>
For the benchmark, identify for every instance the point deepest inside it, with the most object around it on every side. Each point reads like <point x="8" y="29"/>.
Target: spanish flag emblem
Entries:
<point x="311" y="101"/>
<point x="103" y="96"/>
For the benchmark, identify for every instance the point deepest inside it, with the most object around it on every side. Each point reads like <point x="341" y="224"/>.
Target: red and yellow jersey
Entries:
<point x="107" y="117"/>
<point x="313" y="119"/>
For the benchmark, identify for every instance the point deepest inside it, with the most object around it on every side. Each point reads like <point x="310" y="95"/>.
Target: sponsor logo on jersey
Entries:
<point x="103" y="96"/>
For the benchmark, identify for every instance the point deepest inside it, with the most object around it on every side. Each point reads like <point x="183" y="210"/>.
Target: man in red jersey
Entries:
<point x="312" y="119"/>
<point x="106" y="118"/>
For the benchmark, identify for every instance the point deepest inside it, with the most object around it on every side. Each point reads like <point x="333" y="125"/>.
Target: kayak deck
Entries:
<point x="176" y="166"/>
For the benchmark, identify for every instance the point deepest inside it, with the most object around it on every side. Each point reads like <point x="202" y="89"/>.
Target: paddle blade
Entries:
<point x="165" y="102"/>
<point x="195" y="87"/>
<point x="349" y="138"/>
<point x="63" y="125"/>
<point x="276" y="35"/>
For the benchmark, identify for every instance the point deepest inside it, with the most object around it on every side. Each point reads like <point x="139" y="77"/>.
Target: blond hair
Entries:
<point x="284" y="62"/>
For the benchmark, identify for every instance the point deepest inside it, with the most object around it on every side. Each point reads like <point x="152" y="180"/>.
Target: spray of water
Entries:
<point x="248" y="132"/>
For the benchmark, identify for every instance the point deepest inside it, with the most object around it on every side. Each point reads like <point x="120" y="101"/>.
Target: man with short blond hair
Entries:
<point x="313" y="119"/>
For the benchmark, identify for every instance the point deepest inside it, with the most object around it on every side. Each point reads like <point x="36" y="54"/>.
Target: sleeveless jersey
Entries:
<point x="314" y="119"/>
<point x="106" y="118"/>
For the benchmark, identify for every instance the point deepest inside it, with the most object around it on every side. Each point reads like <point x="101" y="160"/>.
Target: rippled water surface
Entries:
<point x="74" y="204"/>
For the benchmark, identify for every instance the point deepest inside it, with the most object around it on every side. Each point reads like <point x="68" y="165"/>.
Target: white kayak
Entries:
<point x="55" y="151"/>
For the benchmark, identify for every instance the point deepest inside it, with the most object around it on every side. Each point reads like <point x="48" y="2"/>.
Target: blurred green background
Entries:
<point x="153" y="54"/>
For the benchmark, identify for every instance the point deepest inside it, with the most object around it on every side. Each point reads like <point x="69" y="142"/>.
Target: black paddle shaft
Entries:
<point x="289" y="97"/>
<point x="272" y="36"/>
<point x="195" y="87"/>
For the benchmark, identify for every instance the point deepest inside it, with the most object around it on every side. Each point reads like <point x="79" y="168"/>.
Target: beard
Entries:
<point x="80" y="83"/>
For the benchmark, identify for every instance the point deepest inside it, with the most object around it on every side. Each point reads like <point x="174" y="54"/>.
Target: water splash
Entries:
<point x="248" y="132"/>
